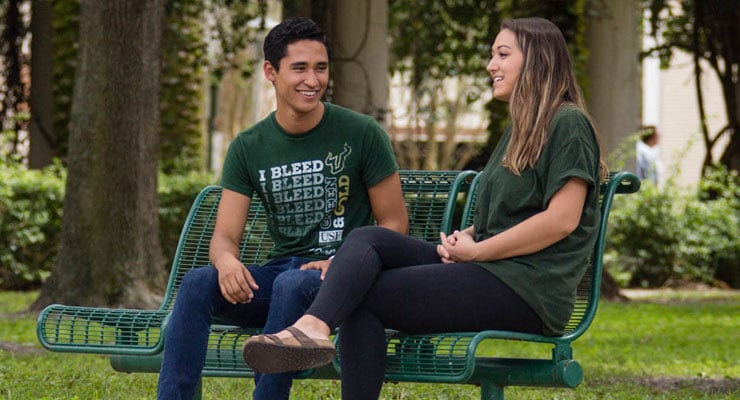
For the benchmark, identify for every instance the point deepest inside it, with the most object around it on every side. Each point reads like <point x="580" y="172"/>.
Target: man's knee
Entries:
<point x="199" y="279"/>
<point x="297" y="282"/>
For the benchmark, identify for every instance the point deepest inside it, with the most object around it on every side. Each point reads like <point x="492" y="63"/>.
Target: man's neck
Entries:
<point x="298" y="123"/>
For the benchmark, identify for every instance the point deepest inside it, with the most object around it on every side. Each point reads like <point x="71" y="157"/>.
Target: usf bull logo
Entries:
<point x="337" y="162"/>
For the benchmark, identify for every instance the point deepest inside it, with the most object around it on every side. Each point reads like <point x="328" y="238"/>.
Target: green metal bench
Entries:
<point x="133" y="338"/>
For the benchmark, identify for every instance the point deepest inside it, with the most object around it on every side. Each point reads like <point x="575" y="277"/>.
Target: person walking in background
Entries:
<point x="517" y="268"/>
<point x="648" y="155"/>
<point x="321" y="172"/>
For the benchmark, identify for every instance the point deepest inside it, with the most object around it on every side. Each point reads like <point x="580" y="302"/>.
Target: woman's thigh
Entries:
<point x="392" y="249"/>
<point x="447" y="298"/>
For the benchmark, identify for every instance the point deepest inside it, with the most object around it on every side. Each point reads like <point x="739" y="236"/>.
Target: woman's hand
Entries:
<point x="457" y="247"/>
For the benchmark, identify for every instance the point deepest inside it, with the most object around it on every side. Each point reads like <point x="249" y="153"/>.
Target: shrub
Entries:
<point x="663" y="236"/>
<point x="31" y="203"/>
<point x="723" y="187"/>
<point x="30" y="223"/>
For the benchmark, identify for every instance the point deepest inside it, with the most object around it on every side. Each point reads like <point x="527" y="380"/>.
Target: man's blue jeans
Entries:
<point x="284" y="294"/>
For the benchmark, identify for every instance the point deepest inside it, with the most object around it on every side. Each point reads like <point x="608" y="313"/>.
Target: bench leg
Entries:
<point x="490" y="391"/>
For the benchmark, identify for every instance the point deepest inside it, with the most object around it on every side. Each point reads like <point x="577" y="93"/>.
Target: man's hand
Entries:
<point x="236" y="283"/>
<point x="322" y="265"/>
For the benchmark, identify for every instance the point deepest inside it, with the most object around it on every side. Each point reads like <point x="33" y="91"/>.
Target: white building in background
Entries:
<point x="669" y="101"/>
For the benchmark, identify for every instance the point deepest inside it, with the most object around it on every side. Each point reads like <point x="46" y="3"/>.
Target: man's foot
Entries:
<point x="271" y="354"/>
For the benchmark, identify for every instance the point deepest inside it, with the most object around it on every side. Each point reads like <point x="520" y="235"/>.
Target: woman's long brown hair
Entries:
<point x="546" y="83"/>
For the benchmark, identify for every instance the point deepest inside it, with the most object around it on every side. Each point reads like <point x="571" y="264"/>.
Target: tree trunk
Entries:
<point x="41" y="99"/>
<point x="358" y="31"/>
<point x="610" y="287"/>
<point x="110" y="252"/>
<point x="614" y="73"/>
<point x="731" y="156"/>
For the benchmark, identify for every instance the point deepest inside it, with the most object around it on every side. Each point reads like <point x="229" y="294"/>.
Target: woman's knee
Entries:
<point x="367" y="234"/>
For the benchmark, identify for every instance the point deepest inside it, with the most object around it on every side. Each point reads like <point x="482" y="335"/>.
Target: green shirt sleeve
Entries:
<point x="379" y="161"/>
<point x="571" y="153"/>
<point x="234" y="174"/>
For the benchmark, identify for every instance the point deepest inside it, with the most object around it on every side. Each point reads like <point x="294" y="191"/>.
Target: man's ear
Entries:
<point x="269" y="71"/>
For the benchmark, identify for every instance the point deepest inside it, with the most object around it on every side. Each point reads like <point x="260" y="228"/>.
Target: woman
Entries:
<point x="523" y="257"/>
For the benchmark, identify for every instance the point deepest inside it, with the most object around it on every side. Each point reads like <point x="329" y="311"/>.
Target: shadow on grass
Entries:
<point x="705" y="385"/>
<point x="702" y="295"/>
<point x="17" y="349"/>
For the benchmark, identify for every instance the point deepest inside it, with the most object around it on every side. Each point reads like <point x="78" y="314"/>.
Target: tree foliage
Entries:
<point x="709" y="30"/>
<point x="66" y="23"/>
<point x="233" y="27"/>
<point x="441" y="39"/>
<point x="184" y="58"/>
<point x="188" y="67"/>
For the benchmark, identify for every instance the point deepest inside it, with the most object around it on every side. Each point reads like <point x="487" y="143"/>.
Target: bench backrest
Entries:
<point x="588" y="292"/>
<point x="430" y="198"/>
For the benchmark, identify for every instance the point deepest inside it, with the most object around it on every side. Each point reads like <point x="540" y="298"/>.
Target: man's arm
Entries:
<point x="386" y="200"/>
<point x="235" y="281"/>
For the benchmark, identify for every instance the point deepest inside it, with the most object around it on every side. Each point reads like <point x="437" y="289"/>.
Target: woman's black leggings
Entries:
<point x="382" y="279"/>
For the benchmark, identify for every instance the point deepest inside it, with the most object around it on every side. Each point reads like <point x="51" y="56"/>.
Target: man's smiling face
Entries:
<point x="302" y="79"/>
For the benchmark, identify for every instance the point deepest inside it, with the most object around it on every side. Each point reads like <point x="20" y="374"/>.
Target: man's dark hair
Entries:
<point x="289" y="31"/>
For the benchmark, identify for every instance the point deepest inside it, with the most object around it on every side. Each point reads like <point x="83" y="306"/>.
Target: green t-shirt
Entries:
<point x="314" y="185"/>
<point x="546" y="280"/>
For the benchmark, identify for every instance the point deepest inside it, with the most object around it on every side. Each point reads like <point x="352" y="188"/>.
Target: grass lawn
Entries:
<point x="660" y="345"/>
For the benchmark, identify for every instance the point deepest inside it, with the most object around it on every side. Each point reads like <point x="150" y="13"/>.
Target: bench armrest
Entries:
<point x="101" y="330"/>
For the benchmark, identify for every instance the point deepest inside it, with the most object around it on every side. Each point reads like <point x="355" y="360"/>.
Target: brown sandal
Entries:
<point x="269" y="354"/>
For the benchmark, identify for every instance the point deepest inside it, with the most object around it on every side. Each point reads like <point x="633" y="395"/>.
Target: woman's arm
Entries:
<point x="538" y="232"/>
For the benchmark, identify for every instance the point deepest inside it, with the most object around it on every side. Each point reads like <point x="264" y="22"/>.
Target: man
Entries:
<point x="321" y="171"/>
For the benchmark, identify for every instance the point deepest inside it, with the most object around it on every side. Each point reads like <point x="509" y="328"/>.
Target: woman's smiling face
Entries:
<point x="506" y="64"/>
